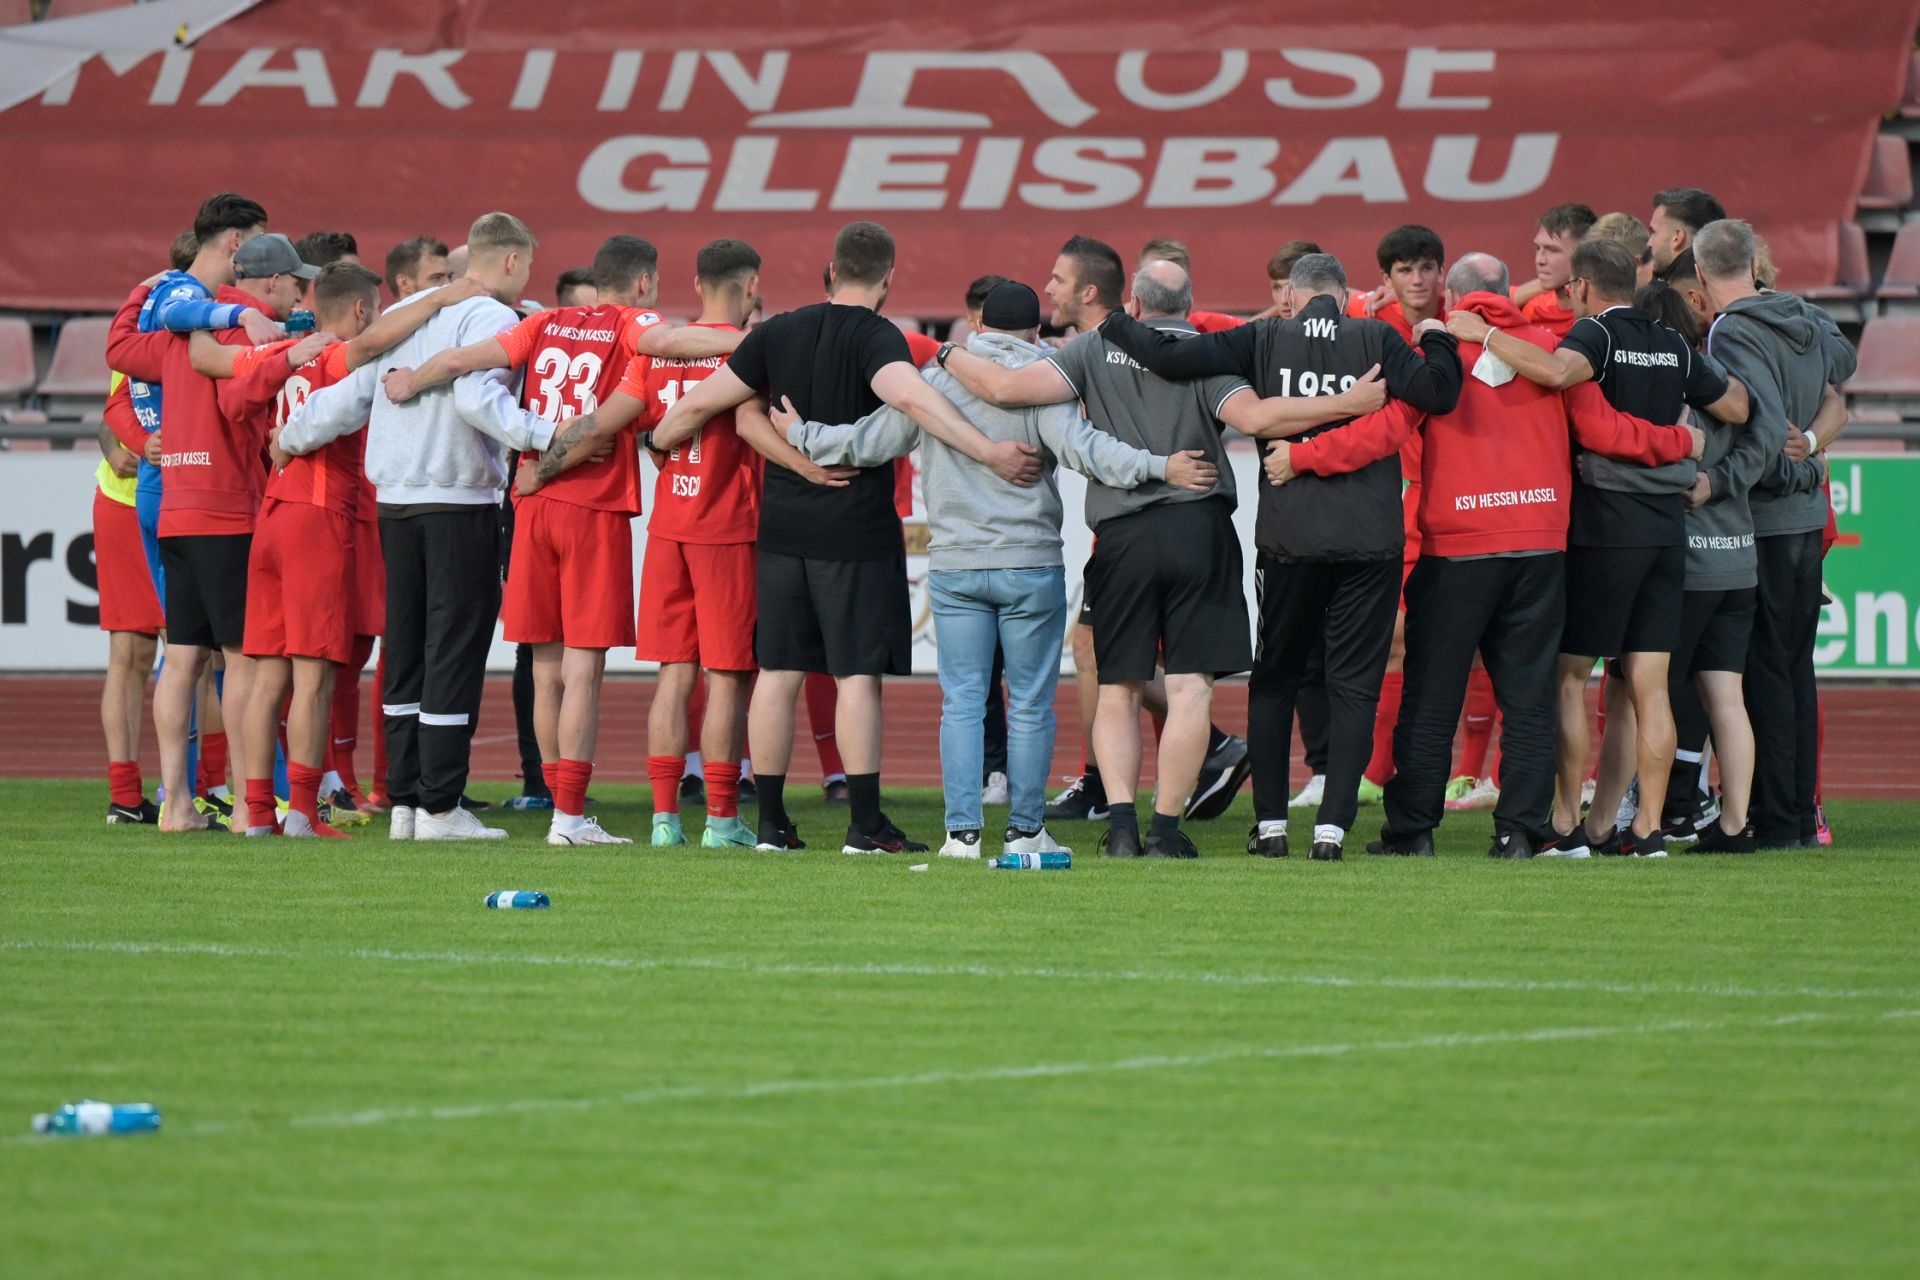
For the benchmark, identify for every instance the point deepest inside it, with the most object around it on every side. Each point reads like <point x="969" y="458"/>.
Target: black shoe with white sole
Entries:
<point x="1326" y="851"/>
<point x="1273" y="846"/>
<point x="775" y="838"/>
<point x="1221" y="777"/>
<point x="888" y="839"/>
<point x="1513" y="845"/>
<point x="1079" y="802"/>
<point x="145" y="814"/>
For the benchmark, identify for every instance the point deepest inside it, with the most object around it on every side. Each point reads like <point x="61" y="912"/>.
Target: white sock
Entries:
<point x="567" y="821"/>
<point x="833" y="778"/>
<point x="1273" y="827"/>
<point x="1689" y="757"/>
<point x="222" y="792"/>
<point x="1327" y="833"/>
<point x="694" y="768"/>
<point x="746" y="768"/>
<point x="332" y="782"/>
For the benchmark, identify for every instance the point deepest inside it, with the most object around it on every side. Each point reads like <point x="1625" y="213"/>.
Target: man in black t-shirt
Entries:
<point x="1626" y="543"/>
<point x="832" y="570"/>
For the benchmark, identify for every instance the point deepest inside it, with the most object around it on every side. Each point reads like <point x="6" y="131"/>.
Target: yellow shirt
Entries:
<point x="114" y="487"/>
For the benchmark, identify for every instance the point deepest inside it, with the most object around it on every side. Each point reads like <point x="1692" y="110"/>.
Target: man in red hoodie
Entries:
<point x="1496" y="479"/>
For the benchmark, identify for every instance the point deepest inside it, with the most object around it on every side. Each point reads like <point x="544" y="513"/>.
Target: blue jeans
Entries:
<point x="1026" y="609"/>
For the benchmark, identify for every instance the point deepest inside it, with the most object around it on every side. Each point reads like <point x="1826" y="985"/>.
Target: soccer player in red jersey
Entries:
<point x="129" y="608"/>
<point x="1543" y="300"/>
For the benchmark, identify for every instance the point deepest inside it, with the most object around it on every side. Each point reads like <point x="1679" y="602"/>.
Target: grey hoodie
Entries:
<point x="978" y="520"/>
<point x="444" y="446"/>
<point x="1720" y="555"/>
<point x="1786" y="351"/>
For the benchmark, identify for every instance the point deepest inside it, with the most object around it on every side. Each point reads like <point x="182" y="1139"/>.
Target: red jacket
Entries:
<point x="1496" y="474"/>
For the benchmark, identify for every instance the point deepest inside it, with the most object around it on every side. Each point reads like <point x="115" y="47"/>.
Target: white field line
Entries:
<point x="727" y="964"/>
<point x="375" y="1116"/>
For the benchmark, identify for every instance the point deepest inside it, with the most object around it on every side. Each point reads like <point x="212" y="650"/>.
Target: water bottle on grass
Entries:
<point x="1033" y="862"/>
<point x="517" y="900"/>
<point x="92" y="1119"/>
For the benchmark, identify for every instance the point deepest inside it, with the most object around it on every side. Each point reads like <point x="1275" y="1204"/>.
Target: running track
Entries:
<point x="50" y="728"/>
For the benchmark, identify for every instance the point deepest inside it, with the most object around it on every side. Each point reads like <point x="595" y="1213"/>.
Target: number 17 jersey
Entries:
<point x="574" y="359"/>
<point x="709" y="487"/>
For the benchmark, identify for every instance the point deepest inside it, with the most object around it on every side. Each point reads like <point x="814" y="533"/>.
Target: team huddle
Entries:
<point x="1470" y="494"/>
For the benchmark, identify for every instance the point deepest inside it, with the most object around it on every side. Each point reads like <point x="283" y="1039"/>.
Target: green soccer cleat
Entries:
<point x="726" y="833"/>
<point x="1457" y="787"/>
<point x="1371" y="792"/>
<point x="666" y="831"/>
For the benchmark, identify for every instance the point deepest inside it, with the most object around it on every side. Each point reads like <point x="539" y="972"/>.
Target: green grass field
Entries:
<point x="810" y="1065"/>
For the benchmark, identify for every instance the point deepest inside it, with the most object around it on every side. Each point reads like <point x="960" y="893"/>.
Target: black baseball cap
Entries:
<point x="1010" y="306"/>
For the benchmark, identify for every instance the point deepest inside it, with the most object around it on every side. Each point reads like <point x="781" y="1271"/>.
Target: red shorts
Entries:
<point x="300" y="583"/>
<point x="128" y="601"/>
<point x="369" y="580"/>
<point x="698" y="604"/>
<point x="571" y="579"/>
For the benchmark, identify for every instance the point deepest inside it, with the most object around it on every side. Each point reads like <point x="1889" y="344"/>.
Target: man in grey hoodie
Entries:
<point x="438" y="465"/>
<point x="1787" y="354"/>
<point x="996" y="570"/>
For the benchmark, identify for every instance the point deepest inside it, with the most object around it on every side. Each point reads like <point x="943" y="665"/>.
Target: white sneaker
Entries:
<point x="455" y="824"/>
<point x="566" y="830"/>
<point x="995" y="791"/>
<point x="1310" y="795"/>
<point x="400" y="822"/>
<point x="1041" y="841"/>
<point x="1481" y="795"/>
<point x="959" y="846"/>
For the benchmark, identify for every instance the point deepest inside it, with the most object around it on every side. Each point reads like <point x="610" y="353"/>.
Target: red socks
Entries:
<point x="303" y="790"/>
<point x="823" y="697"/>
<point x="665" y="773"/>
<point x="213" y="761"/>
<point x="1380" y="768"/>
<point x="550" y="774"/>
<point x="261" y="806"/>
<point x="568" y="783"/>
<point x="1481" y="710"/>
<point x="124" y="786"/>
<point x="723" y="789"/>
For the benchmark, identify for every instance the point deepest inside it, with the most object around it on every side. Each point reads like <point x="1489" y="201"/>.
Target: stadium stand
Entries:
<point x="1852" y="283"/>
<point x="1901" y="283"/>
<point x="1888" y="189"/>
<point x="76" y="381"/>
<point x="16" y="360"/>
<point x="1889" y="374"/>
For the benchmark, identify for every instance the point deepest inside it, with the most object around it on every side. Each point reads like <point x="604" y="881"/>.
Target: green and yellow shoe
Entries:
<point x="726" y="833"/>
<point x="1371" y="792"/>
<point x="1459" y="786"/>
<point x="666" y="831"/>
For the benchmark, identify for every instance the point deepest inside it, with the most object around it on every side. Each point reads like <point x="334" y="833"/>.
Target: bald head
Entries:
<point x="1476" y="273"/>
<point x="1163" y="288"/>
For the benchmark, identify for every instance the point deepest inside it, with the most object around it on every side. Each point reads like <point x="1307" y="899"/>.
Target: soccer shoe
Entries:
<point x="1398" y="846"/>
<point x="1370" y="791"/>
<point x="1715" y="838"/>
<point x="1309" y="796"/>
<point x="1628" y="845"/>
<point x="1115" y="843"/>
<point x="666" y="831"/>
<point x="145" y="814"/>
<point x="835" y="791"/>
<point x="344" y="812"/>
<point x="456" y="824"/>
<point x="693" y="790"/>
<point x="1267" y="846"/>
<point x="1041" y="841"/>
<point x="473" y="805"/>
<point x="1511" y="845"/>
<point x="579" y="831"/>
<point x="889" y="839"/>
<point x="1457" y="787"/>
<point x="774" y="838"/>
<point x="1481" y="795"/>
<point x="217" y="814"/>
<point x="1077" y="803"/>
<point x="961" y="844"/>
<point x="726" y="833"/>
<point x="1172" y="845"/>
<point x="300" y="827"/>
<point x="524" y="803"/>
<point x="994" y="790"/>
<point x="1221" y="777"/>
<point x="1326" y="851"/>
<point x="1574" y="844"/>
<point x="401" y="819"/>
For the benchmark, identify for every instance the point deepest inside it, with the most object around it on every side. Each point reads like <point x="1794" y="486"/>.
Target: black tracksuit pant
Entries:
<point x="443" y="597"/>
<point x="1346" y="609"/>
<point x="1783" y="700"/>
<point x="1311" y="706"/>
<point x="1511" y="610"/>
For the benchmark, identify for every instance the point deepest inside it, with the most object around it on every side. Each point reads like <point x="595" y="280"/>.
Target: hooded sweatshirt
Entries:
<point x="1786" y="352"/>
<point x="1497" y="472"/>
<point x="977" y="520"/>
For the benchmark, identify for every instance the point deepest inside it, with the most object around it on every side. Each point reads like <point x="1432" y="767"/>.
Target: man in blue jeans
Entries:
<point x="995" y="566"/>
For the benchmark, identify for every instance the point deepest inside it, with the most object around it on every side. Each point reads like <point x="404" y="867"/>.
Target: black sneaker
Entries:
<point x="836" y="792"/>
<point x="749" y="794"/>
<point x="1629" y="845"/>
<point x="1573" y="844"/>
<point x="1120" y="844"/>
<point x="1683" y="825"/>
<point x="1716" y="839"/>
<point x="145" y="814"/>
<point x="775" y="838"/>
<point x="693" y="790"/>
<point x="1173" y="845"/>
<point x="1273" y="846"/>
<point x="1326" y="851"/>
<point x="889" y="839"/>
<point x="1078" y="803"/>
<point x="1221" y="777"/>
<point x="1513" y="845"/>
<point x="1397" y="846"/>
<point x="472" y="805"/>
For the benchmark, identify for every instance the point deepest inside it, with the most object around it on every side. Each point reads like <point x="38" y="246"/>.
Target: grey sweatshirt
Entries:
<point x="1786" y="351"/>
<point x="977" y="520"/>
<point x="1720" y="555"/>
<point x="447" y="445"/>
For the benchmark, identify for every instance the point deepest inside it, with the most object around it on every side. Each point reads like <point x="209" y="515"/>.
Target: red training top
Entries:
<point x="708" y="490"/>
<point x="332" y="475"/>
<point x="575" y="358"/>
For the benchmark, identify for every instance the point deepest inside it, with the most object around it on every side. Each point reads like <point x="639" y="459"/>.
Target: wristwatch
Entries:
<point x="646" y="439"/>
<point x="946" y="349"/>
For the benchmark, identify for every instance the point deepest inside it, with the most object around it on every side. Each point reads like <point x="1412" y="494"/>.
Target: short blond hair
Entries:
<point x="1623" y="229"/>
<point x="498" y="233"/>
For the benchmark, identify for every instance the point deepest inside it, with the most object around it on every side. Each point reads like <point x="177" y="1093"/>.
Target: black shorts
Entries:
<point x="1086" y="594"/>
<point x="1715" y="627"/>
<point x="1167" y="589"/>
<point x="1623" y="600"/>
<point x="207" y="588"/>
<point x="839" y="617"/>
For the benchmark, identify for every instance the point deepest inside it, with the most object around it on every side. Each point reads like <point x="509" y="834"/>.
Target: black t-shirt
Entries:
<point x="823" y="358"/>
<point x="1649" y="371"/>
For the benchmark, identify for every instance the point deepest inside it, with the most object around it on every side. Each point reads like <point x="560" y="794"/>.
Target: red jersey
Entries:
<point x="1546" y="311"/>
<point x="1213" y="321"/>
<point x="576" y="357"/>
<point x="332" y="475"/>
<point x="708" y="491"/>
<point x="923" y="349"/>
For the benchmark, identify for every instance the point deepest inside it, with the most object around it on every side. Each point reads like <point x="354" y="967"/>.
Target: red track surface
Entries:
<point x="50" y="728"/>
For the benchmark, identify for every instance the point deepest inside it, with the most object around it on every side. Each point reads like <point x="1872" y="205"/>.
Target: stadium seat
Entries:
<point x="76" y="380"/>
<point x="1889" y="182"/>
<point x="1902" y="279"/>
<point x="1852" y="276"/>
<point x="1889" y="358"/>
<point x="1910" y="107"/>
<point x="16" y="357"/>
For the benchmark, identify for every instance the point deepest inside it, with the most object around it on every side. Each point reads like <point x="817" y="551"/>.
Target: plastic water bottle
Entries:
<point x="91" y="1119"/>
<point x="518" y="900"/>
<point x="1033" y="862"/>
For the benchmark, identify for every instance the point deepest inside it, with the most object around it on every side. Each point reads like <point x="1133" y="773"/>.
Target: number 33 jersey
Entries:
<point x="709" y="487"/>
<point x="574" y="358"/>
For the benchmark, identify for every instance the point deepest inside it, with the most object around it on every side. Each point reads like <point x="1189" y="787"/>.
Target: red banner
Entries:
<point x="981" y="138"/>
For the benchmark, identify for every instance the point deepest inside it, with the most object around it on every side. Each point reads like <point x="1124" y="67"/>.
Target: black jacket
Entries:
<point x="1319" y="352"/>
